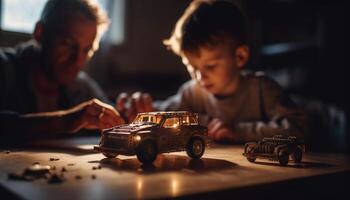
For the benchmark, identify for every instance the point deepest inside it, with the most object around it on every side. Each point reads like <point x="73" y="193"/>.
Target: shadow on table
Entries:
<point x="303" y="165"/>
<point x="165" y="163"/>
<point x="73" y="146"/>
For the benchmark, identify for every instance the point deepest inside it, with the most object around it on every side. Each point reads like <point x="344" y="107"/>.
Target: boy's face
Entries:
<point x="68" y="51"/>
<point x="217" y="68"/>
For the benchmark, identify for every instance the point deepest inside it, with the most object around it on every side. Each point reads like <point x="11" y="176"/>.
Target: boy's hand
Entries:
<point x="92" y="114"/>
<point x="129" y="106"/>
<point x="219" y="132"/>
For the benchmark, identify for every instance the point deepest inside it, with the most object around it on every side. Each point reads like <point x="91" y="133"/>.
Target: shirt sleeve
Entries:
<point x="279" y="115"/>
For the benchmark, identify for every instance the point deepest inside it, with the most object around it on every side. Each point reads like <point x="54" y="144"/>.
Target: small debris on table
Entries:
<point x="19" y="177"/>
<point x="38" y="171"/>
<point x="7" y="151"/>
<point x="63" y="169"/>
<point x="95" y="168"/>
<point x="55" y="178"/>
<point x="31" y="173"/>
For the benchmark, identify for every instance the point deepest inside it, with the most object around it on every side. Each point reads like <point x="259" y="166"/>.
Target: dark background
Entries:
<point x="301" y="44"/>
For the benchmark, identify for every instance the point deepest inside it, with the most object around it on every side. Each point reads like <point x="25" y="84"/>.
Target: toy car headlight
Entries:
<point x="137" y="138"/>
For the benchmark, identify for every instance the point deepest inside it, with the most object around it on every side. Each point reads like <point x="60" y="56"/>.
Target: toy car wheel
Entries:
<point x="283" y="157"/>
<point x="297" y="155"/>
<point x="195" y="148"/>
<point x="249" y="151"/>
<point x="109" y="155"/>
<point x="147" y="152"/>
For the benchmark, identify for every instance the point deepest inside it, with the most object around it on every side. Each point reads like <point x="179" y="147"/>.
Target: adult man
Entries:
<point x="43" y="90"/>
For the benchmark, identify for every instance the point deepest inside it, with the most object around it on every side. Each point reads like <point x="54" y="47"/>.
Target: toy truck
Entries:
<point x="276" y="148"/>
<point x="152" y="133"/>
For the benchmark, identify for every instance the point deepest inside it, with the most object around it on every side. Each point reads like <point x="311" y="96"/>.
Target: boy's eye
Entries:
<point x="210" y="67"/>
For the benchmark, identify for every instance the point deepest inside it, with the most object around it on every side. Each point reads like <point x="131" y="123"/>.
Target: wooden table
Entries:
<point x="222" y="172"/>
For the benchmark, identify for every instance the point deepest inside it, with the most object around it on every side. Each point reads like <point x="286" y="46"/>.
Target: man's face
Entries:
<point x="67" y="51"/>
<point x="215" y="68"/>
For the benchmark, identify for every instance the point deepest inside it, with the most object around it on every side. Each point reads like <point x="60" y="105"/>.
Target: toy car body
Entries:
<point x="277" y="148"/>
<point x="155" y="132"/>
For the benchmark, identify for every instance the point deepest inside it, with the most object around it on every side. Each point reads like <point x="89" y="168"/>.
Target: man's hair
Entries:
<point x="58" y="12"/>
<point x="207" y="22"/>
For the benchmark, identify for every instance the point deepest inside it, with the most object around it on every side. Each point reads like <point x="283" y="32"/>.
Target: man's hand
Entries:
<point x="129" y="106"/>
<point x="92" y="114"/>
<point x="219" y="132"/>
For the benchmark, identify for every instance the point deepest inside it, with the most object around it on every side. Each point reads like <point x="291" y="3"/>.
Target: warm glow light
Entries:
<point x="175" y="125"/>
<point x="139" y="186"/>
<point x="137" y="138"/>
<point x="174" y="186"/>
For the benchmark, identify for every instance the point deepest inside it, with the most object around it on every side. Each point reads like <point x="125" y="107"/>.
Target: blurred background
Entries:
<point x="300" y="44"/>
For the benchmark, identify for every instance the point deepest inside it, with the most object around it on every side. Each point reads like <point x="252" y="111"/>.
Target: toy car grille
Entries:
<point x="117" y="141"/>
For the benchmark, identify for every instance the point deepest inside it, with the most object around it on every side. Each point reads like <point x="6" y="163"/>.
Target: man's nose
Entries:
<point x="79" y="58"/>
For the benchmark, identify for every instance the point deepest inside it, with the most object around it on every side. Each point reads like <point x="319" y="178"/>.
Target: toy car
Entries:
<point x="155" y="132"/>
<point x="277" y="148"/>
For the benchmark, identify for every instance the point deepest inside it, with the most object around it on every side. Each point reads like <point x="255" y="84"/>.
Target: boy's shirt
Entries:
<point x="258" y="108"/>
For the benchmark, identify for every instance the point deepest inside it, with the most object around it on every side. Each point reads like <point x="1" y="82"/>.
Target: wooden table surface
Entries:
<point x="221" y="170"/>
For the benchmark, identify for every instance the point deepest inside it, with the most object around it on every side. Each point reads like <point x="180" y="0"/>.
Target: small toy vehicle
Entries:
<point x="277" y="148"/>
<point x="155" y="132"/>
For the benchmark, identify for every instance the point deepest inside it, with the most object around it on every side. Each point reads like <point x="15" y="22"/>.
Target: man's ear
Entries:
<point x="242" y="55"/>
<point x="38" y="32"/>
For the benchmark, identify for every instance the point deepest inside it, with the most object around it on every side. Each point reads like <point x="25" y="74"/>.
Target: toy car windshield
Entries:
<point x="147" y="118"/>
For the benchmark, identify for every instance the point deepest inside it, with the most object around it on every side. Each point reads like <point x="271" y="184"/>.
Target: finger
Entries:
<point x="105" y="123"/>
<point x="90" y="120"/>
<point x="112" y="117"/>
<point x="100" y="122"/>
<point x="137" y="97"/>
<point x="216" y="124"/>
<point x="76" y="125"/>
<point x="212" y="123"/>
<point x="132" y="116"/>
<point x="147" y="102"/>
<point x="93" y="108"/>
<point x="122" y="101"/>
<point x="78" y="116"/>
<point x="132" y="112"/>
<point x="98" y="113"/>
<point x="91" y="126"/>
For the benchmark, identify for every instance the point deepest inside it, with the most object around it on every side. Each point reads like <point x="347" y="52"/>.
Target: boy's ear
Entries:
<point x="38" y="32"/>
<point x="242" y="55"/>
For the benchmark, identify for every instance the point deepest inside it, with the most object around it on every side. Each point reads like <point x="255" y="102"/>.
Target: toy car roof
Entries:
<point x="281" y="138"/>
<point x="171" y="113"/>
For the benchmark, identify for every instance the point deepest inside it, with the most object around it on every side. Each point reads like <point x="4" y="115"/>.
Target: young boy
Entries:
<point x="210" y="37"/>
